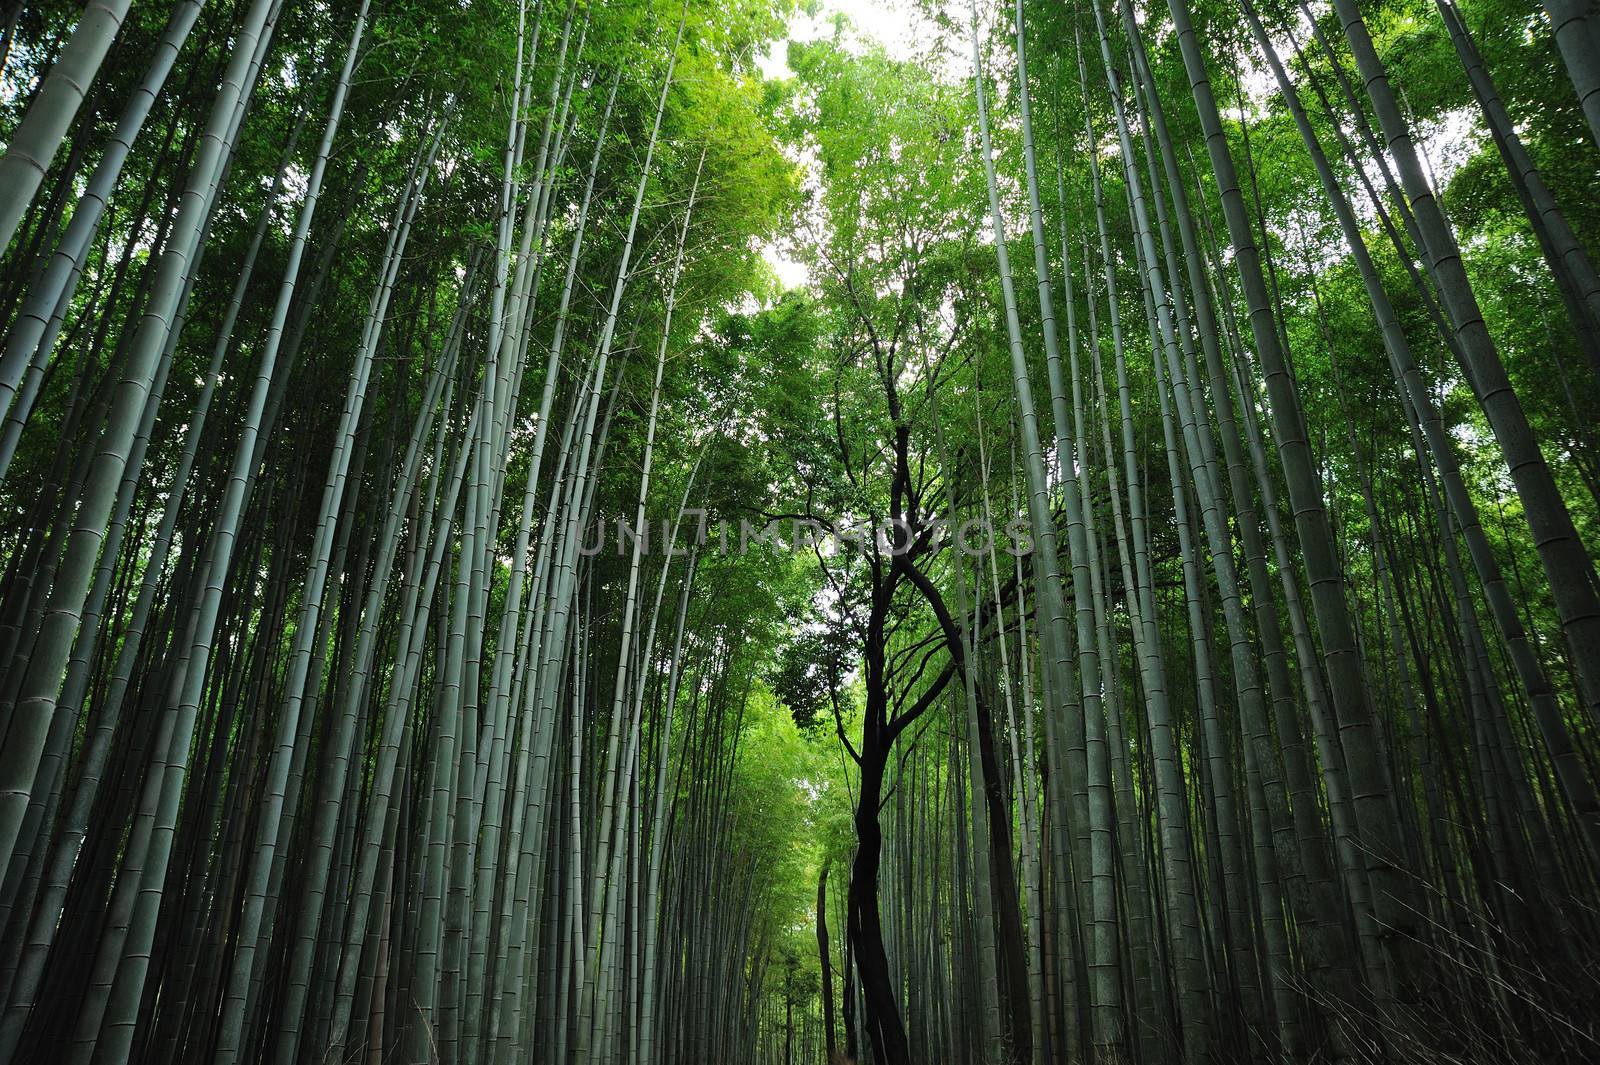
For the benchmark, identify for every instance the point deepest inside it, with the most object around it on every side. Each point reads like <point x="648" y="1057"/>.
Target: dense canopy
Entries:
<point x="608" y="532"/>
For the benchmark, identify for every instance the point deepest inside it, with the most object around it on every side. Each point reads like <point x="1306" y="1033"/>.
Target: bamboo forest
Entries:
<point x="799" y="532"/>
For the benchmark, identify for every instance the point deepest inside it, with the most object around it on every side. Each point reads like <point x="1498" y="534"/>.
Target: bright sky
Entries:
<point x="895" y="24"/>
<point x="906" y="34"/>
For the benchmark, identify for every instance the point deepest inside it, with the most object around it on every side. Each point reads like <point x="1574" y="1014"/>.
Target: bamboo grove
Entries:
<point x="1132" y="599"/>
